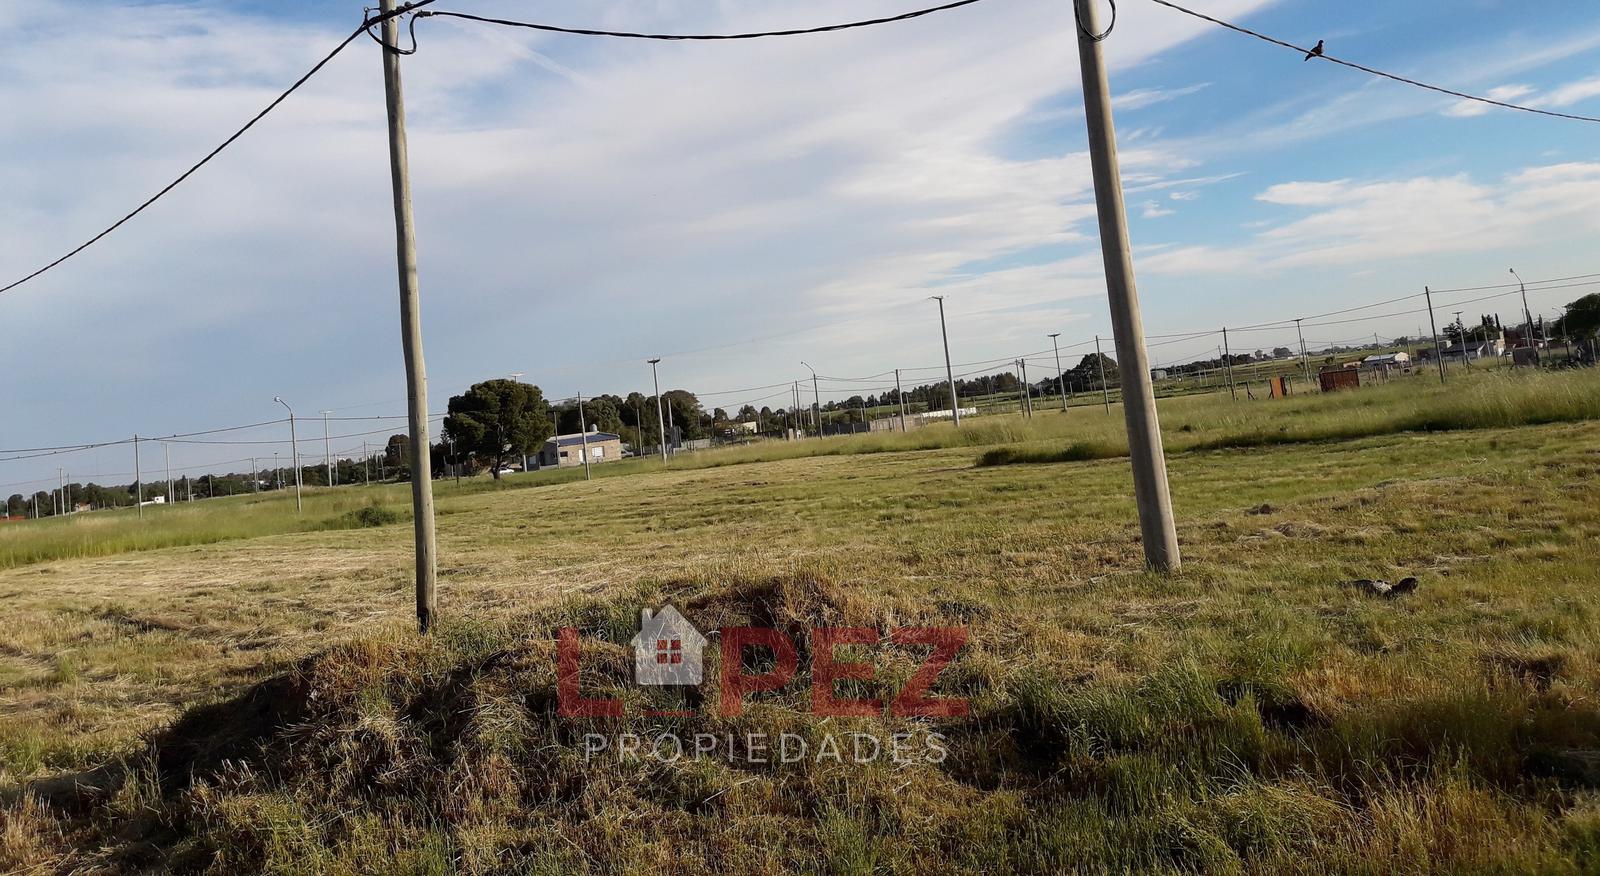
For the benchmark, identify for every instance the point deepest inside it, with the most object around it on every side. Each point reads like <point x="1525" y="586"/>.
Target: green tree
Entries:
<point x="1583" y="317"/>
<point x="497" y="420"/>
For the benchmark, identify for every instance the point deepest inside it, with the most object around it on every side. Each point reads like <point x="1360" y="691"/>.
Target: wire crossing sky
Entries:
<point x="585" y="204"/>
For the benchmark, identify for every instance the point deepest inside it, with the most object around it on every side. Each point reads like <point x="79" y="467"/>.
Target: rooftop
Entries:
<point x="578" y="438"/>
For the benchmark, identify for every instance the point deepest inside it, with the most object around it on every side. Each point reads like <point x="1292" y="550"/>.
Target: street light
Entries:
<point x="816" y="409"/>
<point x="294" y="448"/>
<point x="949" y="373"/>
<point x="1061" y="381"/>
<point x="661" y="422"/>
<point x="1527" y="315"/>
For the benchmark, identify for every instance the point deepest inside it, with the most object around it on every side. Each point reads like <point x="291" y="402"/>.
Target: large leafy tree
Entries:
<point x="599" y="413"/>
<point x="498" y="420"/>
<point x="1583" y="317"/>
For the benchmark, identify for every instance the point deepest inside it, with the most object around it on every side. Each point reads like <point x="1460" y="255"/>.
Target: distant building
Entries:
<point x="1158" y="374"/>
<point x="567" y="450"/>
<point x="1401" y="359"/>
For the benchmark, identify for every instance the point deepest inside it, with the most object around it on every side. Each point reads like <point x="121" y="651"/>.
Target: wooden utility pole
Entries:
<point x="583" y="433"/>
<point x="1156" y="527"/>
<point x="1438" y="352"/>
<point x="901" y="397"/>
<point x="138" y="483"/>
<point x="410" y="326"/>
<point x="1105" y="388"/>
<point x="949" y="373"/>
<point x="1227" y="362"/>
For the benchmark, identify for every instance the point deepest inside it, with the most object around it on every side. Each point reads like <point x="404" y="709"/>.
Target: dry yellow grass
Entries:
<point x="1250" y="714"/>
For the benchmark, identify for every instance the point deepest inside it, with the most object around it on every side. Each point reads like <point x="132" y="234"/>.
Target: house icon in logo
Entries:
<point x="667" y="649"/>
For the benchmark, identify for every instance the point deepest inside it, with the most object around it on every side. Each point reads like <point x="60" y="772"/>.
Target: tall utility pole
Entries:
<point x="1061" y="380"/>
<point x="327" y="449"/>
<point x="1227" y="362"/>
<point x="1305" y="364"/>
<point x="901" y="397"/>
<point x="410" y="325"/>
<point x="1527" y="315"/>
<point x="1105" y="388"/>
<point x="1027" y="394"/>
<point x="673" y="428"/>
<point x="816" y="400"/>
<point x="949" y="373"/>
<point x="166" y="451"/>
<point x="138" y="483"/>
<point x="517" y="377"/>
<point x="1438" y="352"/>
<point x="255" y="480"/>
<point x="661" y="422"/>
<point x="583" y="431"/>
<point x="294" y="455"/>
<point x="1156" y="527"/>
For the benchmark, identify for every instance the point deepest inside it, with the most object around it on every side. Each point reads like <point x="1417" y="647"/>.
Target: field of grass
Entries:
<point x="258" y="680"/>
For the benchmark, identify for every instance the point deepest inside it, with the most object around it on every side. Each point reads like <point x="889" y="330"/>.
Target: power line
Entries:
<point x="225" y="144"/>
<point x="635" y="35"/>
<point x="1375" y="72"/>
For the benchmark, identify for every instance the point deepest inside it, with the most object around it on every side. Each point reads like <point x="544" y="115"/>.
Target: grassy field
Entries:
<point x="257" y="679"/>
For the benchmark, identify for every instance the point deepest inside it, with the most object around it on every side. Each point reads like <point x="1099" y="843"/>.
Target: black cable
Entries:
<point x="370" y="23"/>
<point x="583" y="31"/>
<point x="1365" y="69"/>
<point x="225" y="144"/>
<point x="1090" y="35"/>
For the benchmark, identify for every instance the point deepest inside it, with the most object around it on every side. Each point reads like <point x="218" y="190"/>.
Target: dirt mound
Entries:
<point x="794" y="604"/>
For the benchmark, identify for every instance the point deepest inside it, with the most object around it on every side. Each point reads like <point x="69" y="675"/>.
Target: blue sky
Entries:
<point x="583" y="205"/>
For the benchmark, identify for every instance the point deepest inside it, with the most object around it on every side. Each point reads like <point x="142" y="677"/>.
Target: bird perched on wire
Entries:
<point x="1316" y="51"/>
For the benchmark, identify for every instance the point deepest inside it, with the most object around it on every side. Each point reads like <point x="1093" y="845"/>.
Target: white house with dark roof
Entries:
<point x="566" y="450"/>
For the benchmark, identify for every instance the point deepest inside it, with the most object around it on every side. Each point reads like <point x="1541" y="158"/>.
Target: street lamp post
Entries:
<point x="294" y="448"/>
<point x="661" y="423"/>
<point x="949" y="373"/>
<point x="1527" y="315"/>
<point x="1061" y="380"/>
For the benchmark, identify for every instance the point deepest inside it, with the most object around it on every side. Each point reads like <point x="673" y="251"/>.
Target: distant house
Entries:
<point x="566" y="450"/>
<point x="1401" y="359"/>
<point x="1158" y="374"/>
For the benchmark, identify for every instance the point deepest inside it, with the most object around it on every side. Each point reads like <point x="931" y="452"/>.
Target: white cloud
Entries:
<point x="1351" y="223"/>
<point x="1468" y="108"/>
<point x="1154" y="210"/>
<point x="1572" y="92"/>
<point x="1143" y="97"/>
